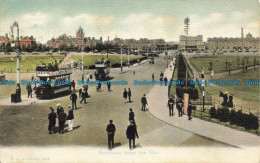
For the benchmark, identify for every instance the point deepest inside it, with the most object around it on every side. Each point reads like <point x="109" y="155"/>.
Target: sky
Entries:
<point x="153" y="19"/>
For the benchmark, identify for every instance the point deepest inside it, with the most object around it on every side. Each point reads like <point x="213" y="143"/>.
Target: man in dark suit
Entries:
<point x="73" y="98"/>
<point x="111" y="129"/>
<point x="131" y="133"/>
<point x="62" y="119"/>
<point x="129" y="93"/>
<point x="52" y="121"/>
<point x="189" y="111"/>
<point x="179" y="107"/>
<point x="171" y="103"/>
<point x="132" y="116"/>
<point x="83" y="97"/>
<point x="144" y="102"/>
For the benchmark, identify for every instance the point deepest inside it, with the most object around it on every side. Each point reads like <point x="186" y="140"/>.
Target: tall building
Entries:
<point x="191" y="43"/>
<point x="248" y="43"/>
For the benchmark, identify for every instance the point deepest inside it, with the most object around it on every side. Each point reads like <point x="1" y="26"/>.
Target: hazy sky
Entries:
<point x="45" y="19"/>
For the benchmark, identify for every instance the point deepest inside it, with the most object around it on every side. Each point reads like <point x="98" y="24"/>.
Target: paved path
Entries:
<point x="157" y="100"/>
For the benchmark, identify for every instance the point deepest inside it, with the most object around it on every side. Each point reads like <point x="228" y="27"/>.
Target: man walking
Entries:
<point x="73" y="85"/>
<point x="58" y="108"/>
<point x="108" y="85"/>
<point x="165" y="81"/>
<point x="80" y="92"/>
<point x="152" y="76"/>
<point x="132" y="116"/>
<point x="144" y="102"/>
<point x="179" y="107"/>
<point x="111" y="129"/>
<point x="62" y="119"/>
<point x="29" y="90"/>
<point x="131" y="133"/>
<point x="129" y="95"/>
<point x="70" y="117"/>
<point x="189" y="111"/>
<point x="52" y="121"/>
<point x="125" y="95"/>
<point x="73" y="98"/>
<point x="171" y="103"/>
<point x="83" y="97"/>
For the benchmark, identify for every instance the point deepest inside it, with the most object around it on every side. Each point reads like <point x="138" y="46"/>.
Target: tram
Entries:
<point x="52" y="81"/>
<point x="102" y="69"/>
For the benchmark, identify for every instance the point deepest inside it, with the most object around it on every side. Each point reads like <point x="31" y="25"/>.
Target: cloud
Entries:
<point x="241" y="15"/>
<point x="34" y="20"/>
<point x="146" y="25"/>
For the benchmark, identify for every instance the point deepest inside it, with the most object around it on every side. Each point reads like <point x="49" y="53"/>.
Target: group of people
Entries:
<point x="179" y="106"/>
<point x="62" y="117"/>
<point x="131" y="131"/>
<point x="83" y="94"/>
<point x="127" y="94"/>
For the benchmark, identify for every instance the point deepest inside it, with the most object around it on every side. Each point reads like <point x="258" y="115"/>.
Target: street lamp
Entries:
<point x="186" y="29"/>
<point x="17" y="96"/>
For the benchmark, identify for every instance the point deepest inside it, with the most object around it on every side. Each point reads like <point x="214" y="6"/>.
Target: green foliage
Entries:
<point x="213" y="112"/>
<point x="223" y="114"/>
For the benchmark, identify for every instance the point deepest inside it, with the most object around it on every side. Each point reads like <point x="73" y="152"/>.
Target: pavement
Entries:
<point x="157" y="99"/>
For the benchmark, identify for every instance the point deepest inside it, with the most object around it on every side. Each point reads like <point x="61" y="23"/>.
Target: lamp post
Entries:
<point x="17" y="97"/>
<point x="82" y="57"/>
<point x="121" y="59"/>
<point x="186" y="29"/>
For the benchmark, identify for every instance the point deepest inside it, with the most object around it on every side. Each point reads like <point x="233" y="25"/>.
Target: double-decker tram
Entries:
<point x="52" y="80"/>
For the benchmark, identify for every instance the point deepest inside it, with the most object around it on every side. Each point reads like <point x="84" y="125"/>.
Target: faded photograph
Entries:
<point x="129" y="81"/>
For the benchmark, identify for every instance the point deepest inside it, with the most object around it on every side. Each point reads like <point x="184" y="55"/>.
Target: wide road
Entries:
<point x="27" y="125"/>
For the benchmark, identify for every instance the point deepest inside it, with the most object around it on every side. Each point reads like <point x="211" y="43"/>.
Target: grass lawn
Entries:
<point x="89" y="60"/>
<point x="26" y="62"/>
<point x="243" y="91"/>
<point x="219" y="63"/>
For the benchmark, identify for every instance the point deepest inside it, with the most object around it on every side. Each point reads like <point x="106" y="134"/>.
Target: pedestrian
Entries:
<point x="108" y="85"/>
<point x="152" y="76"/>
<point x="58" y="108"/>
<point x="85" y="88"/>
<point x="83" y="97"/>
<point x="87" y="77"/>
<point x="189" y="111"/>
<point x="129" y="95"/>
<point x="80" y="92"/>
<point x="52" y="121"/>
<point x="73" y="98"/>
<point x="161" y="75"/>
<point x="171" y="103"/>
<point x="161" y="80"/>
<point x="73" y="85"/>
<point x="165" y="81"/>
<point x="111" y="129"/>
<point x="62" y="119"/>
<point x="144" y="102"/>
<point x="131" y="133"/>
<point x="125" y="94"/>
<point x="132" y="116"/>
<point x="29" y="90"/>
<point x="179" y="107"/>
<point x="70" y="117"/>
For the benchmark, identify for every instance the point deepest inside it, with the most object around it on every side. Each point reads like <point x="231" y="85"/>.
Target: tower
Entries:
<point x="242" y="33"/>
<point x="80" y="33"/>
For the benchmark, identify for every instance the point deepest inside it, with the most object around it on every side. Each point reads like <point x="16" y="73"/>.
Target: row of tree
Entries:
<point x="6" y="47"/>
<point x="248" y="121"/>
<point x="181" y="89"/>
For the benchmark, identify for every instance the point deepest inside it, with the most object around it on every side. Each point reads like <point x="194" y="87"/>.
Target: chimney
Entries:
<point x="242" y="33"/>
<point x="108" y="39"/>
<point x="100" y="39"/>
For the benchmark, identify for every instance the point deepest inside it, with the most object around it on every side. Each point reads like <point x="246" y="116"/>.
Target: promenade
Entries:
<point x="157" y="99"/>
